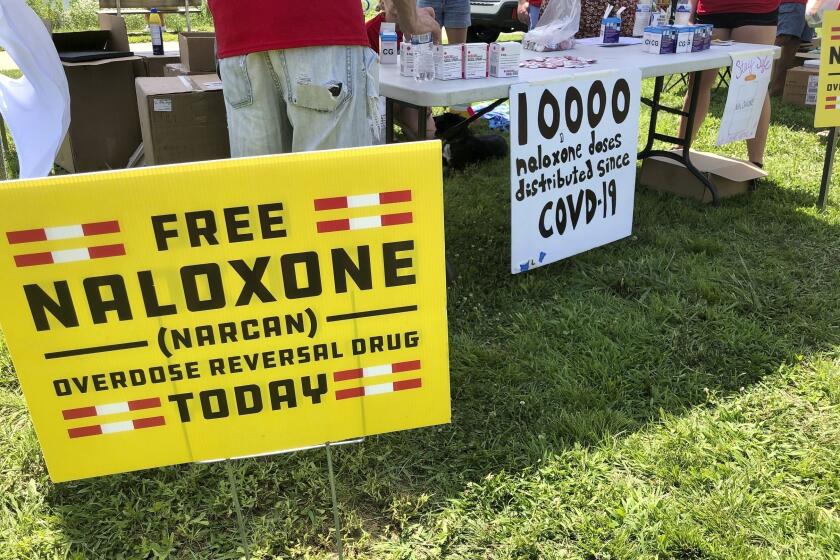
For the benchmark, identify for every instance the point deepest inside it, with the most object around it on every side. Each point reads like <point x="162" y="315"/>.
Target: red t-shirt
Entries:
<point x="736" y="7"/>
<point x="535" y="3"/>
<point x="373" y="26"/>
<point x="267" y="25"/>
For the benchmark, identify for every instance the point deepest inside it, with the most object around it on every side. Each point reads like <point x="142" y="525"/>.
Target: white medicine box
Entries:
<point x="475" y="60"/>
<point x="504" y="59"/>
<point x="449" y="62"/>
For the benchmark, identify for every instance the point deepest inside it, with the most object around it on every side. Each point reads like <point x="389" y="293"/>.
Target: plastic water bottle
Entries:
<point x="683" y="14"/>
<point x="156" y="30"/>
<point x="424" y="57"/>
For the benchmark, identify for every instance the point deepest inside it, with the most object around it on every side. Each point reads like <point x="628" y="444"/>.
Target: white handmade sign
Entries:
<point x="747" y="91"/>
<point x="572" y="165"/>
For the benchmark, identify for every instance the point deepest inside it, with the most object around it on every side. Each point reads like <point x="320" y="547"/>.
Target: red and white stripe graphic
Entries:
<point x="835" y="33"/>
<point x="380" y="389"/>
<point x="366" y="222"/>
<point x="362" y="200"/>
<point x="831" y="102"/>
<point x="112" y="408"/>
<point x="376" y="371"/>
<point x="70" y="255"/>
<point x="116" y="427"/>
<point x="62" y="232"/>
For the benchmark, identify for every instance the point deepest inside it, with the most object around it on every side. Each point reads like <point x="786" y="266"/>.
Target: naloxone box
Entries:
<point x="182" y="119"/>
<point x="449" y="62"/>
<point x="475" y="60"/>
<point x="504" y="59"/>
<point x="406" y="59"/>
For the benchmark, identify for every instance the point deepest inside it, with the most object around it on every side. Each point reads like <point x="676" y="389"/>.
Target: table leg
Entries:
<point x="684" y="157"/>
<point x="389" y="120"/>
<point x="830" y="148"/>
<point x="422" y="113"/>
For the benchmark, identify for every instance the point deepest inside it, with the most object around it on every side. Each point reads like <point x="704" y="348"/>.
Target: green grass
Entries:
<point x="674" y="395"/>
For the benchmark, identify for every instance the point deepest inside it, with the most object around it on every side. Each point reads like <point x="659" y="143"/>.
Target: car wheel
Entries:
<point x="482" y="35"/>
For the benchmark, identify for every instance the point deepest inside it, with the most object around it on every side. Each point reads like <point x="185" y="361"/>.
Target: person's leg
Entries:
<point x="256" y="113"/>
<point x="790" y="46"/>
<point x="456" y="20"/>
<point x="762" y="35"/>
<point x="331" y="95"/>
<point x="707" y="80"/>
<point x="456" y="35"/>
<point x="788" y="32"/>
<point x="408" y="116"/>
<point x="533" y="16"/>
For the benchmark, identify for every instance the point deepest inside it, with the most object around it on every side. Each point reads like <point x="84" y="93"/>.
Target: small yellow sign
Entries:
<point x="828" y="92"/>
<point x="226" y="309"/>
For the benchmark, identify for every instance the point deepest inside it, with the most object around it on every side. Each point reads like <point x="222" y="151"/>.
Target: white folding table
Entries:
<point x="439" y="93"/>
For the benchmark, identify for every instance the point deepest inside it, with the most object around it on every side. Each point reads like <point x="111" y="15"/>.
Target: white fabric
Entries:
<point x="36" y="107"/>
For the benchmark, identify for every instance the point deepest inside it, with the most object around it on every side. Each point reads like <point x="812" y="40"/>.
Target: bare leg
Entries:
<point x="763" y="35"/>
<point x="790" y="45"/>
<point x="707" y="78"/>
<point x="456" y="35"/>
<point x="407" y="118"/>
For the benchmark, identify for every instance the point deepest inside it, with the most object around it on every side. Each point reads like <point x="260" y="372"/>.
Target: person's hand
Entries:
<point x="416" y="22"/>
<point x="522" y="12"/>
<point x="425" y="22"/>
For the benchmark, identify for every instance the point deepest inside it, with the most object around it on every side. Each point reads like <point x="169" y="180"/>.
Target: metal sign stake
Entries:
<point x="336" y="517"/>
<point x="239" y="519"/>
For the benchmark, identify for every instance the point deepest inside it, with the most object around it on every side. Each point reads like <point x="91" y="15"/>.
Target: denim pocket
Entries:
<point x="237" y="88"/>
<point x="323" y="84"/>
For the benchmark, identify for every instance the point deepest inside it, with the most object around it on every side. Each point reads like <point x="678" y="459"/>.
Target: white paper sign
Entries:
<point x="747" y="90"/>
<point x="572" y="165"/>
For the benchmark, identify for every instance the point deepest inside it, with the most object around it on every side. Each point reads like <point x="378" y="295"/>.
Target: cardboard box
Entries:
<point x="155" y="66"/>
<point x="801" y="86"/>
<point x="104" y="126"/>
<point x="732" y="177"/>
<point x="182" y="119"/>
<point x="175" y="70"/>
<point x="198" y="51"/>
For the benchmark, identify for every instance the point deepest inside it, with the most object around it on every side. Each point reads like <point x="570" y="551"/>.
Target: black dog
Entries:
<point x="461" y="147"/>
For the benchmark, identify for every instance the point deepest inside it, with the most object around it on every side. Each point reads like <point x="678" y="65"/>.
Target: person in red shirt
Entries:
<point x="299" y="76"/>
<point x="743" y="21"/>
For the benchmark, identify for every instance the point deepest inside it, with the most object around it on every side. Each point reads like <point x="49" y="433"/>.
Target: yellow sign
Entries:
<point x="226" y="309"/>
<point x="828" y="92"/>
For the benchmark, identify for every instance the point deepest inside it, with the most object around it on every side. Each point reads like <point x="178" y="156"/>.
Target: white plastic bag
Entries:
<point x="36" y="107"/>
<point x="815" y="9"/>
<point x="556" y="30"/>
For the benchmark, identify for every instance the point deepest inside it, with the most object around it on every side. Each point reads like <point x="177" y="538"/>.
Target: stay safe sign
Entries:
<point x="226" y="309"/>
<point x="828" y="92"/>
<point x="573" y="165"/>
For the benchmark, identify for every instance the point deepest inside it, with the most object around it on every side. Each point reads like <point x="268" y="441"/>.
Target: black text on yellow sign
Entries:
<point x="828" y="93"/>
<point x="226" y="309"/>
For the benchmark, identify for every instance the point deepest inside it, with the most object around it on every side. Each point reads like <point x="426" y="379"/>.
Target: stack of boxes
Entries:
<point x="467" y="61"/>
<point x="670" y="39"/>
<point x="124" y="112"/>
<point x="182" y="115"/>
